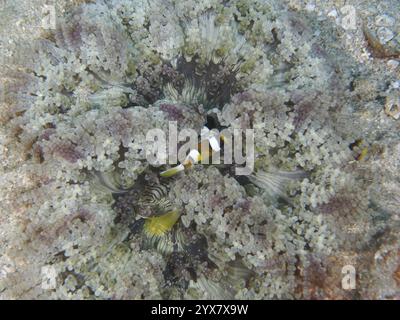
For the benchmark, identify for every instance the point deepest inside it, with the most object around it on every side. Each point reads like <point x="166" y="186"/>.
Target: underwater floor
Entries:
<point x="179" y="149"/>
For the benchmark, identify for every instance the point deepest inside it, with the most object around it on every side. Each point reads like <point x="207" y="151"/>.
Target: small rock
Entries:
<point x="384" y="21"/>
<point x="333" y="13"/>
<point x="385" y="35"/>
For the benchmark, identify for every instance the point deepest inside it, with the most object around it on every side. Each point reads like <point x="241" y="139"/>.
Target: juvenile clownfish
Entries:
<point x="194" y="155"/>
